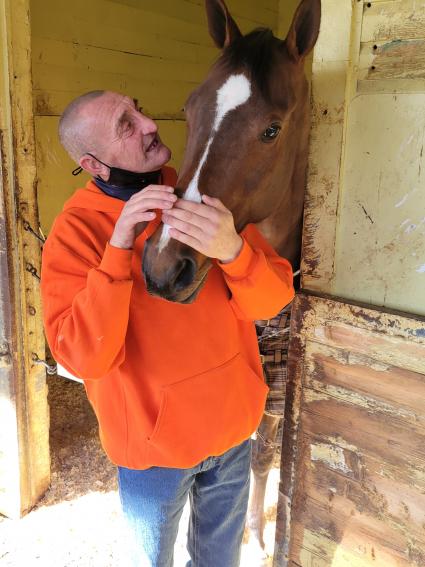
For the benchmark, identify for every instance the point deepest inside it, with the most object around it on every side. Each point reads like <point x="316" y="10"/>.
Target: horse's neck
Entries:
<point x="286" y="240"/>
<point x="283" y="231"/>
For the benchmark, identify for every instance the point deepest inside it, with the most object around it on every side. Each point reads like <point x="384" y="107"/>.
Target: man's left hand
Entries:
<point x="207" y="227"/>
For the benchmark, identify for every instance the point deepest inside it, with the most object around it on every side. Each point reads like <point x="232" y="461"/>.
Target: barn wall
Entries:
<point x="365" y="213"/>
<point x="154" y="51"/>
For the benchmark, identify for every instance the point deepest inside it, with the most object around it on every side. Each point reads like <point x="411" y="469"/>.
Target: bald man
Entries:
<point x="145" y="378"/>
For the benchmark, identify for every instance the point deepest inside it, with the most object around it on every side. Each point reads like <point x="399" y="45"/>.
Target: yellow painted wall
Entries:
<point x="365" y="215"/>
<point x="156" y="52"/>
<point x="286" y="11"/>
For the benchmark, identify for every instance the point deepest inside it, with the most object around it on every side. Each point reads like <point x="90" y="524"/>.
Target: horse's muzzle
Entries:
<point x="174" y="277"/>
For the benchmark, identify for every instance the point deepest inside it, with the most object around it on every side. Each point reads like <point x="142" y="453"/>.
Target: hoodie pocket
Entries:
<point x="207" y="414"/>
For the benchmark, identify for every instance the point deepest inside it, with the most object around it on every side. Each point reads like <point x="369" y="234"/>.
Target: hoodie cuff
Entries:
<point x="242" y="264"/>
<point x="116" y="262"/>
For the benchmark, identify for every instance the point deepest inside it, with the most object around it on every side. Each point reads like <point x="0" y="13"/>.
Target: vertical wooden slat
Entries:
<point x="24" y="450"/>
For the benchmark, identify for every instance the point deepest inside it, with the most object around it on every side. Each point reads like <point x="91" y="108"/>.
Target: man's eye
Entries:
<point x="127" y="128"/>
<point x="270" y="133"/>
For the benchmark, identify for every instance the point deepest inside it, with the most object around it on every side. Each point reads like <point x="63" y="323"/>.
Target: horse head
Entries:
<point x="243" y="130"/>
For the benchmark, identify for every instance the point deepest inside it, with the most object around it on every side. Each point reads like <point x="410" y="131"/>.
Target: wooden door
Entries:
<point x="353" y="460"/>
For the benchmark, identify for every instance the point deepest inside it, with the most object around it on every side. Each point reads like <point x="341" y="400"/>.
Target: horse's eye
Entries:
<point x="270" y="133"/>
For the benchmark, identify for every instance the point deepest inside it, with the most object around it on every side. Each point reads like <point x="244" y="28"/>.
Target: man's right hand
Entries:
<point x="138" y="211"/>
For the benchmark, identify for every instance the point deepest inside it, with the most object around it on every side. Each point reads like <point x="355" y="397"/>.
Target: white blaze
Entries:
<point x="233" y="93"/>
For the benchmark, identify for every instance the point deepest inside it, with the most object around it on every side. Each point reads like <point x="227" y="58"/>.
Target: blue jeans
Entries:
<point x="218" y="488"/>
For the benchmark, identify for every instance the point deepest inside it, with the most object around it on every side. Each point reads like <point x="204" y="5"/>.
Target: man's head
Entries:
<point x="108" y="125"/>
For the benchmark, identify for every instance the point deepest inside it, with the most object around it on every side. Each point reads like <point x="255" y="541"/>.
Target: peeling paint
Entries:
<point x="330" y="455"/>
<point x="325" y="391"/>
<point x="403" y="200"/>
<point x="410" y="228"/>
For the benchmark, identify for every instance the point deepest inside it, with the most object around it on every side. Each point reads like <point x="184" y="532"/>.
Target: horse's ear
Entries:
<point x="223" y="29"/>
<point x="304" y="30"/>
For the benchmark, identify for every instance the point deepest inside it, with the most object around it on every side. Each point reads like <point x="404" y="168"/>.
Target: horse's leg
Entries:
<point x="263" y="451"/>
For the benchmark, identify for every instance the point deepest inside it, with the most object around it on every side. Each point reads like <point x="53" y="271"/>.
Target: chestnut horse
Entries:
<point x="247" y="145"/>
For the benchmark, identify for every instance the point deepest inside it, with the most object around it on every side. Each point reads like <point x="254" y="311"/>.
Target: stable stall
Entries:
<point x="352" y="485"/>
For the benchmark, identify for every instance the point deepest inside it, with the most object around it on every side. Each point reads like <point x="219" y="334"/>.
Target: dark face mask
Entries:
<point x="122" y="184"/>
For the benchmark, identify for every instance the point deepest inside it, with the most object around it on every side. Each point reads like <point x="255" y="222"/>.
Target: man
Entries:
<point x="177" y="389"/>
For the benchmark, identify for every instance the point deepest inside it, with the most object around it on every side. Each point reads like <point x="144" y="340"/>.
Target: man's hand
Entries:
<point x="207" y="227"/>
<point x="138" y="211"/>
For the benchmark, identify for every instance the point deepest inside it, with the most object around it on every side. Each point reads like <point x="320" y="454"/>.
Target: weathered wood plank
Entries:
<point x="393" y="19"/>
<point x="62" y="59"/>
<point x="162" y="101"/>
<point x="331" y="74"/>
<point x="394" y="60"/>
<point x="330" y="531"/>
<point x="24" y="437"/>
<point x="367" y="382"/>
<point x="385" y="501"/>
<point x="324" y="311"/>
<point x="383" y="348"/>
<point x="70" y="28"/>
<point x="377" y="434"/>
<point x="353" y="467"/>
<point x="246" y="11"/>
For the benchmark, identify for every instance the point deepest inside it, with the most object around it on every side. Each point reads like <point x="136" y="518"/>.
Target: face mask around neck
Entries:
<point x="122" y="183"/>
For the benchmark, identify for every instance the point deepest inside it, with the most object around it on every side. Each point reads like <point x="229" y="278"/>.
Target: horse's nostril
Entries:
<point x="185" y="274"/>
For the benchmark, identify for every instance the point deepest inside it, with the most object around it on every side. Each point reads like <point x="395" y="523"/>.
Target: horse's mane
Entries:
<point x="255" y="52"/>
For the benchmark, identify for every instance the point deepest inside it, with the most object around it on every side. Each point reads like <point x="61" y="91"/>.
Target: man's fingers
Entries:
<point x="148" y="216"/>
<point x="189" y="217"/>
<point x="154" y="192"/>
<point x="149" y="188"/>
<point x="200" y="209"/>
<point x="186" y="239"/>
<point x="149" y="204"/>
<point x="183" y="226"/>
<point x="214" y="202"/>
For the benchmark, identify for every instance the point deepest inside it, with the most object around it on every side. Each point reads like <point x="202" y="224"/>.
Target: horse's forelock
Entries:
<point x="256" y="53"/>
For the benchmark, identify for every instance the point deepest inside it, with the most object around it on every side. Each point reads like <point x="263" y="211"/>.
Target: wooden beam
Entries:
<point x="24" y="421"/>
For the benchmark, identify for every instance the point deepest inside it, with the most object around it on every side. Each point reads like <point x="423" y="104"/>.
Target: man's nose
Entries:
<point x="147" y="125"/>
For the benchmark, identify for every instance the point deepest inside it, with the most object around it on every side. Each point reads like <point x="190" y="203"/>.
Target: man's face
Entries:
<point x="125" y="137"/>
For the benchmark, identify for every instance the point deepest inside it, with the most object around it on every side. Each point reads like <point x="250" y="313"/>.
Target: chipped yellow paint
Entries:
<point x="331" y="455"/>
<point x="322" y="392"/>
<point x="364" y="220"/>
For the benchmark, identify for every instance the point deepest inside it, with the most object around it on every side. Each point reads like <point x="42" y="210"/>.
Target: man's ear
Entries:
<point x="304" y="30"/>
<point x="94" y="167"/>
<point x="223" y="29"/>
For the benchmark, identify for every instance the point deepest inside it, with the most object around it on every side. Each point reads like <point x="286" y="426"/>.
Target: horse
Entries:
<point x="247" y="145"/>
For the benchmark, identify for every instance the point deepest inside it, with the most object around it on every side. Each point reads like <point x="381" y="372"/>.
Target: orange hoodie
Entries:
<point x="171" y="384"/>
